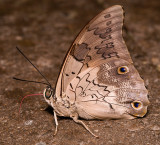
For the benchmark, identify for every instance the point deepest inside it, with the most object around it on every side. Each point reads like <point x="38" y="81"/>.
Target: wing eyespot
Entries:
<point x="136" y="105"/>
<point x="123" y="70"/>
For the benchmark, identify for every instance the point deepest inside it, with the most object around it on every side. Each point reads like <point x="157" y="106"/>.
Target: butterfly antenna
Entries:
<point x="30" y="81"/>
<point x="34" y="67"/>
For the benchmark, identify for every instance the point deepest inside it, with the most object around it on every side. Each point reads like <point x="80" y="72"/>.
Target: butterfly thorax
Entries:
<point x="63" y="106"/>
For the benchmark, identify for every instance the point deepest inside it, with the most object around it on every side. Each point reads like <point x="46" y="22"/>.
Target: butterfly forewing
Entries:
<point x="100" y="41"/>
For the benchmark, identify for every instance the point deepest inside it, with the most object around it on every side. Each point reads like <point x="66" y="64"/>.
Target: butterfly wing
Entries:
<point x="89" y="76"/>
<point x="99" y="41"/>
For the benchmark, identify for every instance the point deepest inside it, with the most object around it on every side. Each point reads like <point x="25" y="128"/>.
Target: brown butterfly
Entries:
<point x="97" y="79"/>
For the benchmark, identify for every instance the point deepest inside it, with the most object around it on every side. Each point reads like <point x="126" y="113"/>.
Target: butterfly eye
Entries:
<point x="48" y="93"/>
<point x="136" y="104"/>
<point x="123" y="70"/>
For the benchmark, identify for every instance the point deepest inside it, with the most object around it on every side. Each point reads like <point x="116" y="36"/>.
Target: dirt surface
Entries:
<point x="44" y="30"/>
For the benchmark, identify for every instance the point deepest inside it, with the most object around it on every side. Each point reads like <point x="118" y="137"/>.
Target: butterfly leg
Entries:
<point x="56" y="122"/>
<point x="75" y="118"/>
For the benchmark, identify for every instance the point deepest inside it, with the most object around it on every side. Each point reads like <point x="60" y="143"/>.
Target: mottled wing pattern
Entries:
<point x="100" y="41"/>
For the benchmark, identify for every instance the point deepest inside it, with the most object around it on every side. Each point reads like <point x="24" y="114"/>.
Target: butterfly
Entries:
<point x="98" y="79"/>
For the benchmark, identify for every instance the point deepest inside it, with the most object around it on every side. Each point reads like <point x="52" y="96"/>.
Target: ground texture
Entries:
<point x="44" y="30"/>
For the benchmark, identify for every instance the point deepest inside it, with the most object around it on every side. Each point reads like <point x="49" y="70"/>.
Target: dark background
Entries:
<point x="44" y="30"/>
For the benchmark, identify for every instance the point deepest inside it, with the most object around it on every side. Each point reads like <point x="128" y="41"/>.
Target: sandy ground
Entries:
<point x="44" y="30"/>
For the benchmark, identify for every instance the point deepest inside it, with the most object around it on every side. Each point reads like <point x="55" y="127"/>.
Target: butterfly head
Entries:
<point x="48" y="94"/>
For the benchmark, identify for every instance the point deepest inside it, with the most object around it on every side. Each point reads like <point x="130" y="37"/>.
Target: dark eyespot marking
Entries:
<point x="123" y="70"/>
<point x="67" y="75"/>
<point x="136" y="104"/>
<point x="107" y="16"/>
<point x="108" y="23"/>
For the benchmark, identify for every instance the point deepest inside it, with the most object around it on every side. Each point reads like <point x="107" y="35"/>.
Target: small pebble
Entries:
<point x="158" y="67"/>
<point x="96" y="130"/>
<point x="156" y="62"/>
<point x="18" y="38"/>
<point x="41" y="143"/>
<point x="145" y="62"/>
<point x="29" y="122"/>
<point x="155" y="128"/>
<point x="133" y="135"/>
<point x="81" y="143"/>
